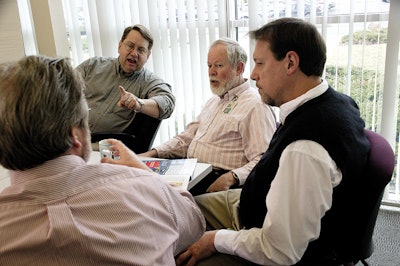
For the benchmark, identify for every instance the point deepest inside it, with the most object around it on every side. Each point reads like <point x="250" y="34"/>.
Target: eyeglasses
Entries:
<point x="130" y="47"/>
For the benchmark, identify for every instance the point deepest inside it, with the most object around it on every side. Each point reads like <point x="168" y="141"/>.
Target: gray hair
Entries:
<point x="235" y="52"/>
<point x="41" y="99"/>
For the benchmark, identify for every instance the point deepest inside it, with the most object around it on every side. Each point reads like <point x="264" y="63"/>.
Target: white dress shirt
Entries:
<point x="300" y="194"/>
<point x="66" y="212"/>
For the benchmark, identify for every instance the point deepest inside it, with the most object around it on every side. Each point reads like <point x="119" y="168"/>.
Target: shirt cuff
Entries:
<point x="223" y="241"/>
<point x="241" y="174"/>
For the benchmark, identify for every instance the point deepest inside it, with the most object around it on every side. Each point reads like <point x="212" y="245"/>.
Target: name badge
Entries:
<point x="231" y="105"/>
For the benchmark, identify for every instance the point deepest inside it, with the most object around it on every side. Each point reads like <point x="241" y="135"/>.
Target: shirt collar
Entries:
<point x="234" y="92"/>
<point x="56" y="166"/>
<point x="287" y="108"/>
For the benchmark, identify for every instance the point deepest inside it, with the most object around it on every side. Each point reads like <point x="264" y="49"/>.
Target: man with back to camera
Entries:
<point x="234" y="127"/>
<point x="117" y="88"/>
<point x="59" y="210"/>
<point x="297" y="205"/>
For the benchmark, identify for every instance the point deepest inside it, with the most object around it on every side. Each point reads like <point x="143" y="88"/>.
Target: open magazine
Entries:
<point x="177" y="172"/>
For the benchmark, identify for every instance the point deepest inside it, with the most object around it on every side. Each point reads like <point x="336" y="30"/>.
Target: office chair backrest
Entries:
<point x="145" y="129"/>
<point x="347" y="228"/>
<point x="378" y="174"/>
<point x="138" y="136"/>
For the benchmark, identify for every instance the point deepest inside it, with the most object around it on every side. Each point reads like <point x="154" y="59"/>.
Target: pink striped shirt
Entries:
<point x="230" y="133"/>
<point x="66" y="212"/>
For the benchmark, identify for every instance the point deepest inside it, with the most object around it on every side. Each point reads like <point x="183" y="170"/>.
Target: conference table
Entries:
<point x="201" y="171"/>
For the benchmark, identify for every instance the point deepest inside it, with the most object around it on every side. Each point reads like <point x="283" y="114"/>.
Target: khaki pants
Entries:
<point x="220" y="209"/>
<point x="221" y="212"/>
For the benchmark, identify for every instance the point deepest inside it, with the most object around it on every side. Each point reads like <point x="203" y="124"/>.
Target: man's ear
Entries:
<point x="292" y="60"/>
<point x="76" y="134"/>
<point x="240" y="68"/>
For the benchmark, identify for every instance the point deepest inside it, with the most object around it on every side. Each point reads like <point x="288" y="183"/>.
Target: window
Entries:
<point x="356" y="34"/>
<point x="361" y="37"/>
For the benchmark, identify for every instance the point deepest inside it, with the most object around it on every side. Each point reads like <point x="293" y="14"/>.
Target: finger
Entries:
<point x="183" y="257"/>
<point x="212" y="188"/>
<point x="128" y="101"/>
<point x="116" y="144"/>
<point x="122" y="91"/>
<point x="108" y="160"/>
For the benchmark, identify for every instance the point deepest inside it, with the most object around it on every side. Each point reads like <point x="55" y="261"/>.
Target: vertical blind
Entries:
<point x="182" y="31"/>
<point x="361" y="36"/>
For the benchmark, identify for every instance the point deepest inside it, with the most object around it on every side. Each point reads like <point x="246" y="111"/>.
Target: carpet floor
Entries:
<point x="386" y="239"/>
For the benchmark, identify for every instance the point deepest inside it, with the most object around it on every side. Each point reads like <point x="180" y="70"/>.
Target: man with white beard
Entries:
<point x="233" y="129"/>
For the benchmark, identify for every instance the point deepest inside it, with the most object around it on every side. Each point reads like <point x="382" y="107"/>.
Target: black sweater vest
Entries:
<point x="332" y="120"/>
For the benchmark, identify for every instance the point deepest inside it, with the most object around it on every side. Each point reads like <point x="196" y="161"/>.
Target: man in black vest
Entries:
<point x="297" y="206"/>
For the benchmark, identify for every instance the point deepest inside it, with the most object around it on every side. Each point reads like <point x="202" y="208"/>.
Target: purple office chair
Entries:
<point x="378" y="174"/>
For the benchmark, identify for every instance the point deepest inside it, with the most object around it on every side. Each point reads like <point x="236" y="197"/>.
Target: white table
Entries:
<point x="201" y="171"/>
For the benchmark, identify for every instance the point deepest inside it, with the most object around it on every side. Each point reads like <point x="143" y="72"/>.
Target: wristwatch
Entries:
<point x="237" y="180"/>
<point x="141" y="103"/>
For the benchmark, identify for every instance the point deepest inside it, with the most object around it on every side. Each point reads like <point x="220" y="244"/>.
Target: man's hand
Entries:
<point x="126" y="156"/>
<point x="127" y="100"/>
<point x="151" y="153"/>
<point x="224" y="182"/>
<point x="201" y="249"/>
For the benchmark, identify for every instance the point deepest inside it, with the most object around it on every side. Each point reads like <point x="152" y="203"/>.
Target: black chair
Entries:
<point x="138" y="136"/>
